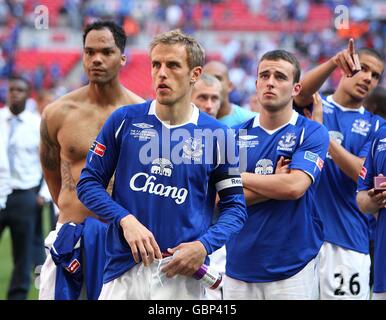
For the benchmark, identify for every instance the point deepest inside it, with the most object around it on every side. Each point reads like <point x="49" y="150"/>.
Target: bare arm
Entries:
<point x="314" y="79"/>
<point x="290" y="186"/>
<point x="370" y="202"/>
<point x="50" y="160"/>
<point x="252" y="198"/>
<point x="350" y="164"/>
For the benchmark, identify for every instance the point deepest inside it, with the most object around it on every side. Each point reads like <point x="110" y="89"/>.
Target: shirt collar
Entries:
<point x="23" y="116"/>
<point x="292" y="121"/>
<point x="329" y="99"/>
<point x="193" y="119"/>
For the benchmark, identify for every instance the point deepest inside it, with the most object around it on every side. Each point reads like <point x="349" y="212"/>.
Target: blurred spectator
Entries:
<point x="376" y="102"/>
<point x="206" y="94"/>
<point x="22" y="132"/>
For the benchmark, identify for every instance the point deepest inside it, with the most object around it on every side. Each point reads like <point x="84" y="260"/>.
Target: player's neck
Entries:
<point x="106" y="94"/>
<point x="175" y="114"/>
<point x="224" y="110"/>
<point x="342" y="98"/>
<point x="273" y="120"/>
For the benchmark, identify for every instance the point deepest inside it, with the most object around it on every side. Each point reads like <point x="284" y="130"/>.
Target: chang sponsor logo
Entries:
<point x="143" y="182"/>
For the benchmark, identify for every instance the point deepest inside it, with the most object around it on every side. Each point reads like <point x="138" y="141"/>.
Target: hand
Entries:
<point x="378" y="198"/>
<point x="188" y="259"/>
<point x="140" y="240"/>
<point x="317" y="114"/>
<point x="217" y="201"/>
<point x="282" y="166"/>
<point x="40" y="201"/>
<point x="347" y="60"/>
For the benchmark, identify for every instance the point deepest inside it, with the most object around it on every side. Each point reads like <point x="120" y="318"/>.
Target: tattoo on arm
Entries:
<point x="49" y="150"/>
<point x="67" y="179"/>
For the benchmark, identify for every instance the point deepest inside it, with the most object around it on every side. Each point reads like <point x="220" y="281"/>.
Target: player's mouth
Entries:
<point x="97" y="70"/>
<point x="163" y="88"/>
<point x="269" y="94"/>
<point x="363" y="88"/>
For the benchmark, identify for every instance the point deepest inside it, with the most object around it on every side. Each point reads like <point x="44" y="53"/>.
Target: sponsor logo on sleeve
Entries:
<point x="320" y="163"/>
<point x="98" y="148"/>
<point x="73" y="266"/>
<point x="363" y="173"/>
<point x="313" y="157"/>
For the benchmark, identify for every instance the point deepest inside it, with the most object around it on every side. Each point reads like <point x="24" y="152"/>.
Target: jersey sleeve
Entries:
<point x="228" y="184"/>
<point x="376" y="124"/>
<point x="311" y="151"/>
<point x="366" y="176"/>
<point x="100" y="165"/>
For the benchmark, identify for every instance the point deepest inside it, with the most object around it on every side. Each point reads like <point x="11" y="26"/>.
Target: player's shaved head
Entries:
<point x="216" y="67"/>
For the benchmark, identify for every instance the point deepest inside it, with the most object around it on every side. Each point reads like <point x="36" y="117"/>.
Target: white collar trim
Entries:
<point x="329" y="99"/>
<point x="293" y="120"/>
<point x="193" y="119"/>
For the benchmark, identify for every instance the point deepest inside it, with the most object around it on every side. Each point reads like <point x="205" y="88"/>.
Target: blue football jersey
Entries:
<point x="280" y="236"/>
<point x="167" y="177"/>
<point x="344" y="224"/>
<point x="375" y="164"/>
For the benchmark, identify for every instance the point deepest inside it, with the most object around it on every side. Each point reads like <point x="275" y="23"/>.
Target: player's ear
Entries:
<point x="123" y="60"/>
<point x="196" y="74"/>
<point x="296" y="89"/>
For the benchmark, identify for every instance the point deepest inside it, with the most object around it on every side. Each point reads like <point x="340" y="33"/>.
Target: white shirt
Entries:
<point x="27" y="172"/>
<point x="5" y="182"/>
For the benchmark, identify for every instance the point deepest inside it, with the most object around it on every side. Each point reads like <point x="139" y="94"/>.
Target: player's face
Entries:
<point x="274" y="84"/>
<point x="219" y="72"/>
<point x="207" y="98"/>
<point x="102" y="59"/>
<point x="171" y="75"/>
<point x="363" y="82"/>
<point x="17" y="95"/>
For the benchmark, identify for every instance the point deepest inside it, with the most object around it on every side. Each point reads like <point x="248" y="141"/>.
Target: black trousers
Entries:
<point x="20" y="216"/>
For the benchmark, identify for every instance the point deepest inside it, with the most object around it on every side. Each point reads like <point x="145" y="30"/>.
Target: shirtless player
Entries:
<point x="70" y="124"/>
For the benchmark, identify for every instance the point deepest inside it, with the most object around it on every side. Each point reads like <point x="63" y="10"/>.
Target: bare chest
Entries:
<point x="77" y="134"/>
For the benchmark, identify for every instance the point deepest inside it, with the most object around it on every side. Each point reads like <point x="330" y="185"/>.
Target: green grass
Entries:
<point x="6" y="263"/>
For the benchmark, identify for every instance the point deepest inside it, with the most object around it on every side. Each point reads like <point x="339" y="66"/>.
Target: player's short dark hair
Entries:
<point x="195" y="52"/>
<point x="286" y="56"/>
<point x="17" y="77"/>
<point x="372" y="52"/>
<point x="116" y="30"/>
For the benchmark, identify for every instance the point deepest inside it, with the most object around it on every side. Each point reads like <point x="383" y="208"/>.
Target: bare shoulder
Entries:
<point x="57" y="110"/>
<point x="55" y="114"/>
<point x="132" y="98"/>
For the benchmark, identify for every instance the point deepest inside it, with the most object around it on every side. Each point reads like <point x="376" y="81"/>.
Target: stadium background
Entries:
<point x="42" y="40"/>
